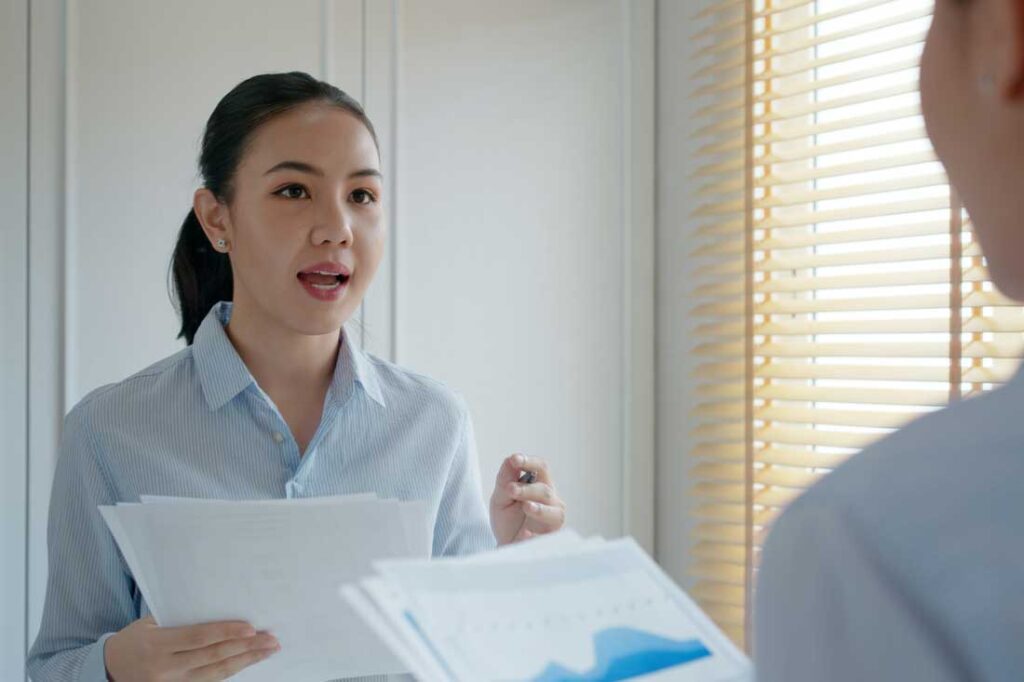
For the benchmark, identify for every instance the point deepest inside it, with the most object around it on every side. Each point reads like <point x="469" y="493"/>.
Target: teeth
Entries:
<point x="323" y="272"/>
<point x="327" y="286"/>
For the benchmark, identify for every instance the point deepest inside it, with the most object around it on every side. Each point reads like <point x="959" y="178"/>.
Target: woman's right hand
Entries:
<point x="146" y="652"/>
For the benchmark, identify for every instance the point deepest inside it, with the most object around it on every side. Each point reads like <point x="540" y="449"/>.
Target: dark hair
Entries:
<point x="202" y="276"/>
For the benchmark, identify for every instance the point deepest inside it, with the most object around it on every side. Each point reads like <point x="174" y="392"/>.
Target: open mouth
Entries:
<point x="325" y="281"/>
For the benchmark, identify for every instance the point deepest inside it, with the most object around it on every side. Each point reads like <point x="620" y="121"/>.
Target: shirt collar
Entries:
<point x="352" y="360"/>
<point x="223" y="374"/>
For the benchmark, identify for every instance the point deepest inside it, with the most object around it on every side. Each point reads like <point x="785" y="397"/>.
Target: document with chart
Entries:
<point x="571" y="609"/>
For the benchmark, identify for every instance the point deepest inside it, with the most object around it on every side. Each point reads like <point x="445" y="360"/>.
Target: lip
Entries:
<point x="329" y="267"/>
<point x="327" y="295"/>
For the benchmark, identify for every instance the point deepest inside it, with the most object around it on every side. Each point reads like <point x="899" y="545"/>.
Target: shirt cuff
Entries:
<point x="94" y="667"/>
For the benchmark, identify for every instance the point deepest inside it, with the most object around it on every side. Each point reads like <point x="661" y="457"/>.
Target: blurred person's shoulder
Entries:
<point x="933" y="509"/>
<point x="971" y="448"/>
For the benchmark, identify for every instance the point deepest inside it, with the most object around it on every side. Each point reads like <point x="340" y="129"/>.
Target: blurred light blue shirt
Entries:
<point x="196" y="424"/>
<point x="906" y="563"/>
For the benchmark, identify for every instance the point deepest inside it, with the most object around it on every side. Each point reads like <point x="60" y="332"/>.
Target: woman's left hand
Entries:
<point x="520" y="510"/>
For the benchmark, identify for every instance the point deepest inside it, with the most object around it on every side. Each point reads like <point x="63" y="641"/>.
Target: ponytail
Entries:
<point x="202" y="276"/>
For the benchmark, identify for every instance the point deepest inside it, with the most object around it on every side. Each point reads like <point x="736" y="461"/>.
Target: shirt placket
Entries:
<point x="299" y="466"/>
<point x="280" y="435"/>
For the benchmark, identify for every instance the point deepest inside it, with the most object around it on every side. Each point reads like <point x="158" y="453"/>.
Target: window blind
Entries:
<point x="839" y="291"/>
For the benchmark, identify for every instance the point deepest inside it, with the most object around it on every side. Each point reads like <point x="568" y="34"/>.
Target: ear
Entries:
<point x="213" y="216"/>
<point x="1009" y="15"/>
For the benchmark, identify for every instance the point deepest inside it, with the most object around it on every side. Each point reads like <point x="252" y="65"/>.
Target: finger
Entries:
<point x="523" y="534"/>
<point x="509" y="470"/>
<point x="189" y="637"/>
<point x="198" y="658"/>
<point x="543" y="518"/>
<point x="538" y="466"/>
<point x="536" y="492"/>
<point x="228" y="667"/>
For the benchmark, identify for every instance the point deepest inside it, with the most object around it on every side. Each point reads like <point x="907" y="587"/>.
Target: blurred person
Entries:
<point x="906" y="562"/>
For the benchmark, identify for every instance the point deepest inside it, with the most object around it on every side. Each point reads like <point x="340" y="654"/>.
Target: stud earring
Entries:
<point x="221" y="244"/>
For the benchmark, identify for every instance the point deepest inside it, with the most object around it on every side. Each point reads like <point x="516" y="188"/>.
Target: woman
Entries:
<point x="270" y="398"/>
<point x="906" y="562"/>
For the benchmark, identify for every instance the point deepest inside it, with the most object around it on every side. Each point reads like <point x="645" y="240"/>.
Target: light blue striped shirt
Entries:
<point x="196" y="424"/>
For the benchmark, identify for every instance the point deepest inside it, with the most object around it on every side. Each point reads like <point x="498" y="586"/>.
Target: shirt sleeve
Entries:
<point x="89" y="591"/>
<point x="463" y="523"/>
<point x="827" y="608"/>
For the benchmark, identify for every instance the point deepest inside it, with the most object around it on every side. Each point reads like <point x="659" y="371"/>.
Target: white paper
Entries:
<point x="329" y="499"/>
<point x="408" y="646"/>
<point x="277" y="565"/>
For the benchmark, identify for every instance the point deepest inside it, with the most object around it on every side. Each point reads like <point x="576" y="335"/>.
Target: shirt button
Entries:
<point x="278" y="437"/>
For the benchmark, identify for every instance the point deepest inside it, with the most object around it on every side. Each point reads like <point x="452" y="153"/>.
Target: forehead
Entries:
<point x="319" y="134"/>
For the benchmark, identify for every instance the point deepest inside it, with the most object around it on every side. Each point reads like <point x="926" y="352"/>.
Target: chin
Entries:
<point x="318" y="322"/>
<point x="1004" y="253"/>
<point x="1008" y="277"/>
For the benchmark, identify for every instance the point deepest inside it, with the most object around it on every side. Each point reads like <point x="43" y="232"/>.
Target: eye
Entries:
<point x="289" y="189"/>
<point x="363" y="196"/>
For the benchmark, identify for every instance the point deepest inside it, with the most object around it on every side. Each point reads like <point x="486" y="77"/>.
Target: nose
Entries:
<point x="334" y="223"/>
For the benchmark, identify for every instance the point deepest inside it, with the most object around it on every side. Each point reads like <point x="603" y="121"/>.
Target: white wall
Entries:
<point x="513" y="226"/>
<point x="674" y="360"/>
<point x="136" y="114"/>
<point x="13" y="321"/>
<point x="518" y="141"/>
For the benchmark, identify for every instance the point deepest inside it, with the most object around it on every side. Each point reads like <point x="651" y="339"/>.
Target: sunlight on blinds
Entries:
<point x="831" y="253"/>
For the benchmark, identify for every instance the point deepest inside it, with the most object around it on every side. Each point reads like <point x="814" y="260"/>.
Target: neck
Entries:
<point x="280" y="359"/>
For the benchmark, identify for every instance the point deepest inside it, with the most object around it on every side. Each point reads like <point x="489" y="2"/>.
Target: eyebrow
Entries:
<point x="304" y="167"/>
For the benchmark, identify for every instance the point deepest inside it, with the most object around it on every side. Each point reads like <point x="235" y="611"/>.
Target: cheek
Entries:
<point x="927" y="56"/>
<point x="266" y="245"/>
<point x="946" y="84"/>
<point x="933" y="106"/>
<point x="370" y="242"/>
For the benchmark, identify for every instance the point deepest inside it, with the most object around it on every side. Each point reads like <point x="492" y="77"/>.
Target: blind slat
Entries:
<point x="782" y="241"/>
<point x="863" y="396"/>
<point x="785" y="435"/>
<point x="886" y="21"/>
<point x="802" y="132"/>
<point x="805" y="87"/>
<point x="907" y="40"/>
<point x="780" y="113"/>
<point x="866" y="257"/>
<point x="912" y="181"/>
<point x="888" y="279"/>
<point x="879" y="163"/>
<point x="810" y="415"/>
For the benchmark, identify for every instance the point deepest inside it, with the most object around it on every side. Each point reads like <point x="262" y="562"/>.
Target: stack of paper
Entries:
<point x="276" y="564"/>
<point x="554" y="608"/>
